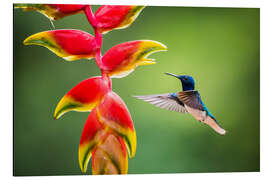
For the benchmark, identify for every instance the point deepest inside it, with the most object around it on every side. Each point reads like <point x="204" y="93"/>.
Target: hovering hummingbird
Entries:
<point x="189" y="100"/>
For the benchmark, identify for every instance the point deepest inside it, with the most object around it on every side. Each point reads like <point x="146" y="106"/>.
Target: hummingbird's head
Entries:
<point x="188" y="82"/>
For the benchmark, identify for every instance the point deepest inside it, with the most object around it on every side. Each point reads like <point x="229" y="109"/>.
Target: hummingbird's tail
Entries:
<point x="214" y="125"/>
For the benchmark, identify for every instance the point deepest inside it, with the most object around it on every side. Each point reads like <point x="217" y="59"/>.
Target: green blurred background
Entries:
<point x="219" y="47"/>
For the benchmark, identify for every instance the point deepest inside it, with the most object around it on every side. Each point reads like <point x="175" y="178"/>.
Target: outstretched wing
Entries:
<point x="166" y="101"/>
<point x="195" y="106"/>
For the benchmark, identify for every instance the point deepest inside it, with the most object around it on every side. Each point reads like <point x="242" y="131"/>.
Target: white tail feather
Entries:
<point x="214" y="125"/>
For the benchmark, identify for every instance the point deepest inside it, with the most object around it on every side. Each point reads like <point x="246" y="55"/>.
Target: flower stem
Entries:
<point x="90" y="16"/>
<point x="98" y="39"/>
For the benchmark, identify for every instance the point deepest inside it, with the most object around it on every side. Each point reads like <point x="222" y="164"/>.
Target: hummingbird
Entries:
<point x="186" y="101"/>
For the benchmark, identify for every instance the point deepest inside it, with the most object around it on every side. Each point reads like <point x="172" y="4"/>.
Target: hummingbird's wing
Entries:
<point x="195" y="106"/>
<point x="192" y="99"/>
<point x="166" y="101"/>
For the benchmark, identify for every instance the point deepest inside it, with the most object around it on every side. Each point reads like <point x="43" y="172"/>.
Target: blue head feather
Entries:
<point x="188" y="82"/>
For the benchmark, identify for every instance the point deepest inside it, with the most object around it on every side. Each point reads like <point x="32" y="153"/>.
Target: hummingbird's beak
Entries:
<point x="171" y="74"/>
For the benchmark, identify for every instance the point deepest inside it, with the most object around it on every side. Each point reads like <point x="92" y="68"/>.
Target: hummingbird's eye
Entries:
<point x="185" y="79"/>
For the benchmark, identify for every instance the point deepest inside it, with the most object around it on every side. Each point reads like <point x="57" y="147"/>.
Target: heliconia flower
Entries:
<point x="108" y="136"/>
<point x="53" y="11"/>
<point x="83" y="97"/>
<point x="111" y="17"/>
<point x="113" y="112"/>
<point x="68" y="43"/>
<point x="108" y="151"/>
<point x="123" y="58"/>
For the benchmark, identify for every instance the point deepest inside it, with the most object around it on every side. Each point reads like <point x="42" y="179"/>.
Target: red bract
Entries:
<point x="114" y="113"/>
<point x="67" y="8"/>
<point x="91" y="127"/>
<point x="102" y="138"/>
<point x="69" y="44"/>
<point x="116" y="17"/>
<point x="83" y="97"/>
<point x="123" y="58"/>
<point x="53" y="11"/>
<point x="75" y="42"/>
<point x="120" y="115"/>
<point x="109" y="130"/>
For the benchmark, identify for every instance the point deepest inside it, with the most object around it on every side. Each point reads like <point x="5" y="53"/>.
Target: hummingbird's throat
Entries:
<point x="187" y="87"/>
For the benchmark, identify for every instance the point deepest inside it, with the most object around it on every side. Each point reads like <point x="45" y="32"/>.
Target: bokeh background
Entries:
<point x="219" y="47"/>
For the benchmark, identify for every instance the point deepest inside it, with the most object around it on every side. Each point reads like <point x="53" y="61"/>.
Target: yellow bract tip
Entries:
<point x="84" y="156"/>
<point x="131" y="143"/>
<point x="66" y="104"/>
<point x="147" y="62"/>
<point x="41" y="39"/>
<point x="152" y="46"/>
<point x="45" y="39"/>
<point x="146" y="48"/>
